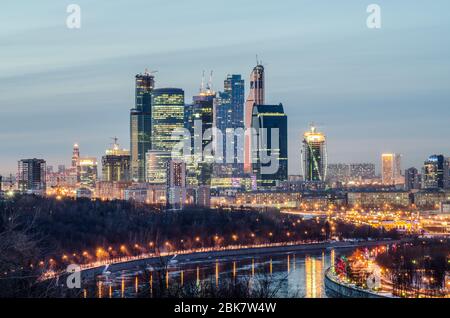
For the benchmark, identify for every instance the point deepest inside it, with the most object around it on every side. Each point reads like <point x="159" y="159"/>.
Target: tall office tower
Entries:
<point x="412" y="179"/>
<point x="116" y="164"/>
<point x="447" y="173"/>
<point x="314" y="156"/>
<point x="88" y="172"/>
<point x="256" y="96"/>
<point x="75" y="155"/>
<point x="391" y="169"/>
<point x="156" y="163"/>
<point x="270" y="147"/>
<point x="32" y="175"/>
<point x="176" y="184"/>
<point x="167" y="116"/>
<point x="203" y="115"/>
<point x="140" y="125"/>
<point x="433" y="172"/>
<point x="229" y="116"/>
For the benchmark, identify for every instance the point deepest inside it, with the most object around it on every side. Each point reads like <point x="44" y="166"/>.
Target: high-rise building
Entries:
<point x="314" y="156"/>
<point x="156" y="163"/>
<point x="447" y="173"/>
<point x="88" y="172"/>
<point x="256" y="97"/>
<point x="412" y="179"/>
<point x="176" y="184"/>
<point x="201" y="162"/>
<point x="140" y="125"/>
<point x="167" y="116"/>
<point x="116" y="164"/>
<point x="32" y="175"/>
<point x="269" y="145"/>
<point x="75" y="155"/>
<point x="433" y="172"/>
<point x="391" y="169"/>
<point x="229" y="116"/>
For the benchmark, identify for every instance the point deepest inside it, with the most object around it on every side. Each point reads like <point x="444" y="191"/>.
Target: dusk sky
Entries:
<point x="369" y="90"/>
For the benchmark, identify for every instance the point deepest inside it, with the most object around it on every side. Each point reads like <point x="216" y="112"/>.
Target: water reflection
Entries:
<point x="293" y="275"/>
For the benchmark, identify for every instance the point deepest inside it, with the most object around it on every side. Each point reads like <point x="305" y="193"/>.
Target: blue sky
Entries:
<point x="370" y="91"/>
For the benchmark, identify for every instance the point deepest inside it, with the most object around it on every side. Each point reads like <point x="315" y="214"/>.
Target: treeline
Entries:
<point x="39" y="233"/>
<point x="418" y="268"/>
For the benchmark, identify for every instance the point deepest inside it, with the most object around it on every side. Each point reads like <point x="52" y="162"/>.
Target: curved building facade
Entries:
<point x="314" y="156"/>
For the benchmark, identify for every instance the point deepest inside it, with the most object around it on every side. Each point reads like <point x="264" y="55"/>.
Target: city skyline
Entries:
<point x="71" y="93"/>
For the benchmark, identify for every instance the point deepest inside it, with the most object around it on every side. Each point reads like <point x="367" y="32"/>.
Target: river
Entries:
<point x="293" y="275"/>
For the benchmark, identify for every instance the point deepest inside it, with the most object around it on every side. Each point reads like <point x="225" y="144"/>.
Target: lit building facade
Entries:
<point x="379" y="199"/>
<point x="116" y="164"/>
<point x="200" y="163"/>
<point x="412" y="179"/>
<point x="269" y="125"/>
<point x="256" y="96"/>
<point x="140" y="125"/>
<point x="274" y="199"/>
<point x="88" y="172"/>
<point x="167" y="117"/>
<point x="31" y="176"/>
<point x="176" y="184"/>
<point x="433" y="172"/>
<point x="314" y="156"/>
<point x="156" y="163"/>
<point x="391" y="169"/>
<point x="229" y="116"/>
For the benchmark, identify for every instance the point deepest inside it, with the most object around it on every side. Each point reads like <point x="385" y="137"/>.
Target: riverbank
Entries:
<point x="337" y="289"/>
<point x="143" y="262"/>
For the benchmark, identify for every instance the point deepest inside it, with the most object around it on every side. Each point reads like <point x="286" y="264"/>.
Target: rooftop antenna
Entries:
<point x="210" y="81"/>
<point x="202" y="87"/>
<point x="115" y="144"/>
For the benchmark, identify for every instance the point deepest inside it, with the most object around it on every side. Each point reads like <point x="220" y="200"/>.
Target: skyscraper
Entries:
<point x="256" y="96"/>
<point x="116" y="164"/>
<point x="433" y="172"/>
<point x="167" y="116"/>
<point x="156" y="166"/>
<point x="269" y="145"/>
<point x="32" y="175"/>
<point x="75" y="155"/>
<point x="412" y="179"/>
<point x="140" y="125"/>
<point x="314" y="156"/>
<point x="202" y="116"/>
<point x="176" y="184"/>
<point x="88" y="172"/>
<point x="391" y="169"/>
<point x="229" y="116"/>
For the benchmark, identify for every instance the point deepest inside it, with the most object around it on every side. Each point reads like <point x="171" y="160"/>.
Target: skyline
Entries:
<point x="87" y="75"/>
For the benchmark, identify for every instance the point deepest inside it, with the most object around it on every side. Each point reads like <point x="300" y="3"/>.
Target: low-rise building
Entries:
<point x="269" y="199"/>
<point x="431" y="198"/>
<point x="378" y="199"/>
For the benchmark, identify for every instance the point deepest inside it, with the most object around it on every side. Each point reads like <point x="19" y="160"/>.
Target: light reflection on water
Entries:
<point x="297" y="275"/>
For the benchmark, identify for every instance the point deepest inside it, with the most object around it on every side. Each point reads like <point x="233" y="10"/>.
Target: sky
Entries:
<point x="369" y="90"/>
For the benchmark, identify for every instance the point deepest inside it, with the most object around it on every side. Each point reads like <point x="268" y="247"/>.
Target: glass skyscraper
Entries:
<point x="229" y="116"/>
<point x="140" y="125"/>
<point x="269" y="122"/>
<point x="314" y="155"/>
<point x="201" y="114"/>
<point x="167" y="116"/>
<point x="433" y="172"/>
